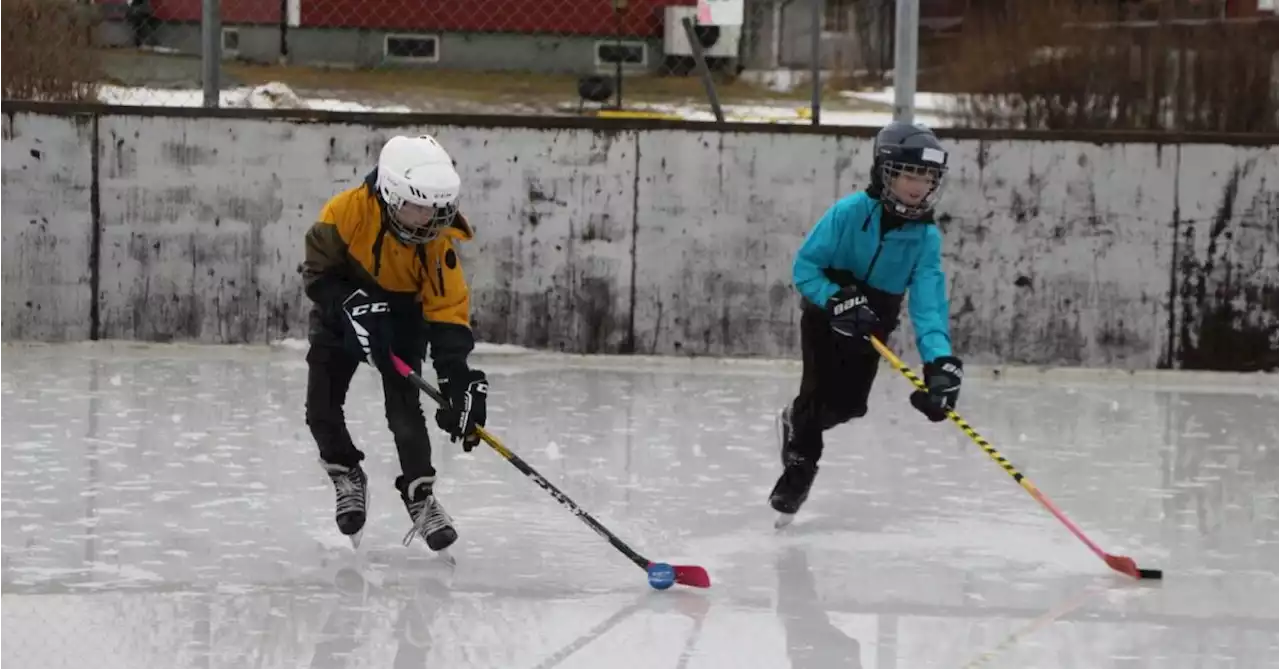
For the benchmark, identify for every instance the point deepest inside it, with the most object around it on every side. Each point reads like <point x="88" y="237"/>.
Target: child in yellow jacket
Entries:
<point x="382" y="272"/>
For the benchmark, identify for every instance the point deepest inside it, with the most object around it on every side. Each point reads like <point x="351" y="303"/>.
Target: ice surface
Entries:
<point x="162" y="507"/>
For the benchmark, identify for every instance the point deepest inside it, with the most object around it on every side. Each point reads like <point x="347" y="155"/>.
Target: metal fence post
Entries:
<point x="905" y="40"/>
<point x="211" y="51"/>
<point x="815" y="57"/>
<point x="700" y="59"/>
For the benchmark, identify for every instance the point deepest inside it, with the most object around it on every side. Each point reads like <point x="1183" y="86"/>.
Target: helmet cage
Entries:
<point x="397" y="192"/>
<point x="927" y="163"/>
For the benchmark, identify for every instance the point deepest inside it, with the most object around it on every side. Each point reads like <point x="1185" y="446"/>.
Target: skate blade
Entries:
<point x="447" y="556"/>
<point x="355" y="539"/>
<point x="784" y="519"/>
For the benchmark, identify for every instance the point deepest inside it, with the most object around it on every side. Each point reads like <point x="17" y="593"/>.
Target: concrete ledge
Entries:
<point x="613" y="123"/>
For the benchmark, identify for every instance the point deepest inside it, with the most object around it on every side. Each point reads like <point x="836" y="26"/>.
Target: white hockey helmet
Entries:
<point x="420" y="187"/>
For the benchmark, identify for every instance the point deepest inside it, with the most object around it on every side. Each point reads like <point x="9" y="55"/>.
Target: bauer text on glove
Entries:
<point x="942" y="376"/>
<point x="850" y="314"/>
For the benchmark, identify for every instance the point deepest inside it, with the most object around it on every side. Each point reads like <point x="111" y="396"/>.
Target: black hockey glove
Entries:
<point x="467" y="393"/>
<point x="369" y="327"/>
<point x="942" y="376"/>
<point x="850" y="314"/>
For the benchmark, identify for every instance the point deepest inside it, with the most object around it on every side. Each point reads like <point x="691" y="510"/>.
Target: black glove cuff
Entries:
<point x="454" y="371"/>
<point x="945" y="364"/>
<point x="459" y="375"/>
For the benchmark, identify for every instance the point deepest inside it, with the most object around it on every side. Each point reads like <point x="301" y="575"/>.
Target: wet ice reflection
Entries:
<point x="162" y="507"/>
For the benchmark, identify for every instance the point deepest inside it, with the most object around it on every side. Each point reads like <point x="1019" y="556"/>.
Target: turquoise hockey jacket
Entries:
<point x="907" y="259"/>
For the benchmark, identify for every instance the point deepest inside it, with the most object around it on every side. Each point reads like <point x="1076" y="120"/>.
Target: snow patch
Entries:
<point x="931" y="107"/>
<point x="271" y="95"/>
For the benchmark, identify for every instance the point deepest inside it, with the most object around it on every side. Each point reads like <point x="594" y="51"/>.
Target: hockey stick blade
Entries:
<point x="1119" y="563"/>
<point x="1128" y="567"/>
<point x="690" y="575"/>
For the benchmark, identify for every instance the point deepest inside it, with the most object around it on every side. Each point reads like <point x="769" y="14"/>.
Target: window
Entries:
<point x="627" y="53"/>
<point x="230" y="42"/>
<point x="417" y="48"/>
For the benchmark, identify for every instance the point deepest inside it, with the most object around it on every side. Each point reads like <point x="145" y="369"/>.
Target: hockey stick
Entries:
<point x="1119" y="563"/>
<point x="690" y="575"/>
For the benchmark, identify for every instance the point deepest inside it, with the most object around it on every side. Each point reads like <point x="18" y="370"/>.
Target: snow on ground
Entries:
<point x="936" y="103"/>
<point x="275" y="95"/>
<point x="790" y="114"/>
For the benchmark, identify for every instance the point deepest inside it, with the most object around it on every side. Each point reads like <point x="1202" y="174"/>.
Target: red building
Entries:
<point x="564" y="17"/>
<point x="233" y="11"/>
<point x="638" y="18"/>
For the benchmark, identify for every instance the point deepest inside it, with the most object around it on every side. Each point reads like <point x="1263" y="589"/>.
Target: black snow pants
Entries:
<point x="330" y="369"/>
<point x="837" y="378"/>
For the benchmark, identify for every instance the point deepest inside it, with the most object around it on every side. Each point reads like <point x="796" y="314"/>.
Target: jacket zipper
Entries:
<point x="879" y="244"/>
<point x="377" y="253"/>
<point x="872" y="267"/>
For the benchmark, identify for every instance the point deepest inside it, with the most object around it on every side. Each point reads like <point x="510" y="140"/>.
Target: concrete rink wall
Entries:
<point x="640" y="237"/>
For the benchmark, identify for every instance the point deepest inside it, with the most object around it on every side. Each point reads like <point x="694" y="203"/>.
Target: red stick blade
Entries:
<point x="1123" y="565"/>
<point x="692" y="576"/>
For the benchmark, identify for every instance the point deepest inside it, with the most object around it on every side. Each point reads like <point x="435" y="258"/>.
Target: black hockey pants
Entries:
<point x="834" y="386"/>
<point x="329" y="373"/>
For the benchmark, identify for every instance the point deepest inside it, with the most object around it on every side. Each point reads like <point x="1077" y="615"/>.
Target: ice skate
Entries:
<point x="798" y="472"/>
<point x="792" y="488"/>
<point x="429" y="518"/>
<point x="351" y="490"/>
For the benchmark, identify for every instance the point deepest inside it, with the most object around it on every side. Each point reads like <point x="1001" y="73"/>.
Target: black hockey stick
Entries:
<point x="690" y="575"/>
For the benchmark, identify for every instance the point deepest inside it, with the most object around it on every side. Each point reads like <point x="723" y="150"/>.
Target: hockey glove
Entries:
<point x="368" y="331"/>
<point x="850" y="314"/>
<point x="942" y="376"/>
<point x="467" y="393"/>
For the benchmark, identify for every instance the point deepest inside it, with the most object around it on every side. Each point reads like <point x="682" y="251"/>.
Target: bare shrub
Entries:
<point x="46" y="52"/>
<point x="1040" y="64"/>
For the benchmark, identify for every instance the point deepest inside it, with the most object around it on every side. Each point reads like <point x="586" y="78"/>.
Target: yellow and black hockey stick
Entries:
<point x="1119" y="563"/>
<point x="690" y="575"/>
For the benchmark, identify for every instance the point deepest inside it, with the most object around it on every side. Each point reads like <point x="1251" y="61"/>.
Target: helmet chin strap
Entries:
<point x="406" y="234"/>
<point x="418" y="235"/>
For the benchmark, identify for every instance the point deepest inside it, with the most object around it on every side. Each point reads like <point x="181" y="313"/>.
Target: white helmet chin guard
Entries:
<point x="419" y="185"/>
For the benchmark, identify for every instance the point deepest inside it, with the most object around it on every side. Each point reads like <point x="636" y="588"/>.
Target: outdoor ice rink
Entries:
<point x="163" y="508"/>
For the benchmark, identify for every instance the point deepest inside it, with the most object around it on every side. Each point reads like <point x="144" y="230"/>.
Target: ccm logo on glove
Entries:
<point x="368" y="333"/>
<point x="467" y="394"/>
<point x="374" y="308"/>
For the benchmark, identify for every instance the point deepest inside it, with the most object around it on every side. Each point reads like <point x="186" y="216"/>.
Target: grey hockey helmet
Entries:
<point x="908" y="170"/>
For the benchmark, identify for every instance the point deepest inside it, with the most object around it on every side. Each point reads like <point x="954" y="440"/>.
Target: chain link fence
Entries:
<point x="459" y="56"/>
<point x="536" y="57"/>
